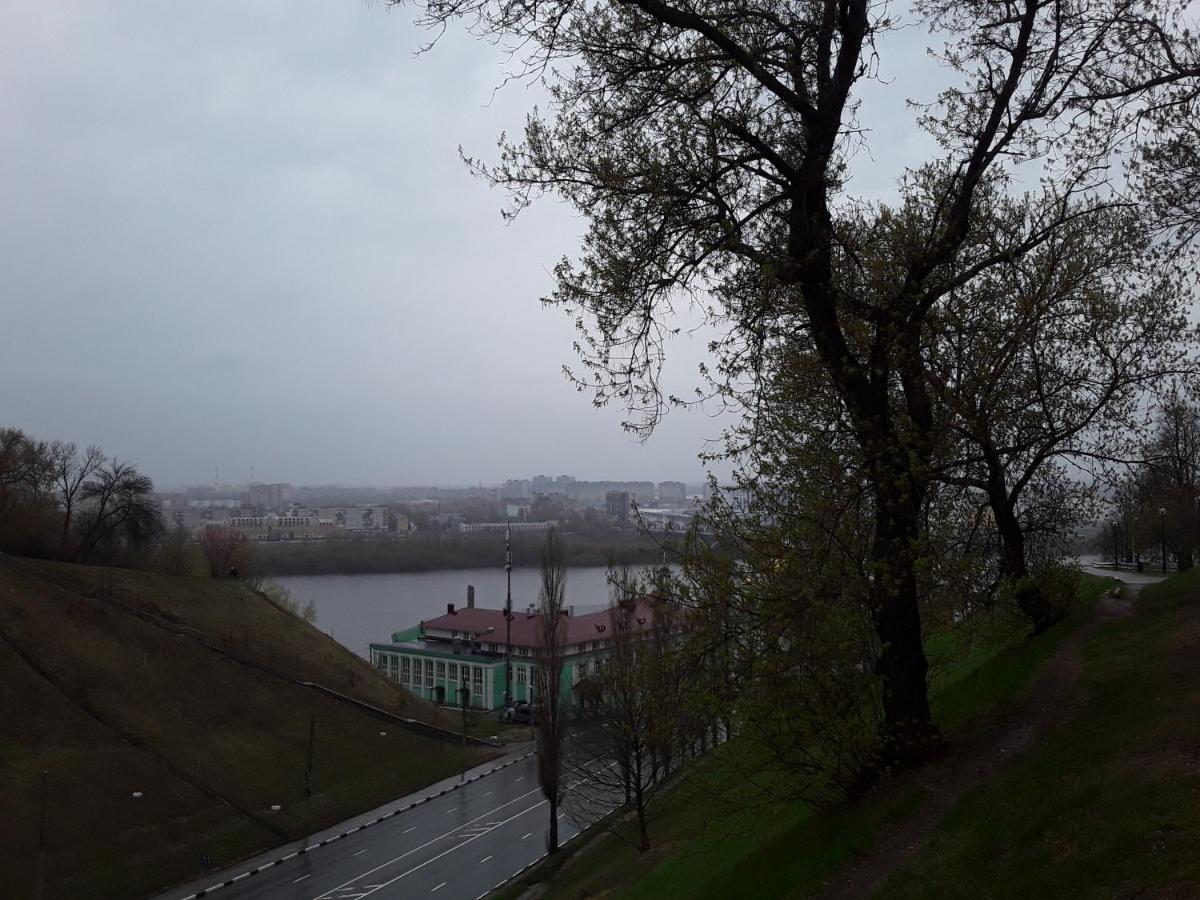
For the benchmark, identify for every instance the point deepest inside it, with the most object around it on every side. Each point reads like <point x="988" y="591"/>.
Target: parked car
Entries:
<point x="520" y="713"/>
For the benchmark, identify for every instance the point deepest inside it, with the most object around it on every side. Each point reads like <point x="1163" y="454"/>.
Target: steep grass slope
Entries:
<point x="114" y="682"/>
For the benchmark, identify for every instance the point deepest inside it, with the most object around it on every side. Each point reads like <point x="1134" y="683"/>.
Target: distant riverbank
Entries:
<point x="436" y="552"/>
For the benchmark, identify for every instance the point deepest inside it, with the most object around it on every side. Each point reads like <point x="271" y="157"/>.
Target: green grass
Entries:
<point x="1108" y="804"/>
<point x="714" y="844"/>
<point x="142" y="709"/>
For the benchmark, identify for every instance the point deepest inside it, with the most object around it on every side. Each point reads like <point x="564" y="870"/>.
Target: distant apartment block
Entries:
<point x="672" y="492"/>
<point x="268" y="497"/>
<point x="617" y="504"/>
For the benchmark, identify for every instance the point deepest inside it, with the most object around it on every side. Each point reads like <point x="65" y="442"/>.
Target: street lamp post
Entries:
<point x="1162" y="536"/>
<point x="1116" y="545"/>
<point x="508" y="616"/>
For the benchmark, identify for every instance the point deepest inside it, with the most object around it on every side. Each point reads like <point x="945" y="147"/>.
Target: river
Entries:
<point x="358" y="609"/>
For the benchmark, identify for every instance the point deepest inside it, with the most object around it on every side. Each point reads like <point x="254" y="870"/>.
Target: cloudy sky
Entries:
<point x="239" y="234"/>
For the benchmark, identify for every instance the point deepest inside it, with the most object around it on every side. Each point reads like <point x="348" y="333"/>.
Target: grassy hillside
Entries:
<point x="710" y="842"/>
<point x="1108" y="805"/>
<point x="108" y="702"/>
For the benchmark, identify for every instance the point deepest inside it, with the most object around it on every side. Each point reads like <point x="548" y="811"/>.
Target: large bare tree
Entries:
<point x="707" y="145"/>
<point x="71" y="472"/>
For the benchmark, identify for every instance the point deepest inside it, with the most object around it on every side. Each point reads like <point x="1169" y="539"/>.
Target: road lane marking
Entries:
<point x="439" y="887"/>
<point x="451" y="811"/>
<point x="363" y="850"/>
<point x="451" y="850"/>
<point x="384" y="865"/>
<point x="302" y="877"/>
<point x="489" y="793"/>
<point x="521" y="778"/>
<point x="527" y="836"/>
<point x="485" y="859"/>
<point x="407" y="830"/>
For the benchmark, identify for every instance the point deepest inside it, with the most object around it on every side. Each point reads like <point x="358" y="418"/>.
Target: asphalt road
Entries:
<point x="456" y="847"/>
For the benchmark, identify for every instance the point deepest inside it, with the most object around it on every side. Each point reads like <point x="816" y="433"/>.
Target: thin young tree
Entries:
<point x="707" y="143"/>
<point x="549" y="697"/>
<point x="615" y="765"/>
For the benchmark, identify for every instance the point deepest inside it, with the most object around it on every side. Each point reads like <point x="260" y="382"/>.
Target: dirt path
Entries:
<point x="977" y="758"/>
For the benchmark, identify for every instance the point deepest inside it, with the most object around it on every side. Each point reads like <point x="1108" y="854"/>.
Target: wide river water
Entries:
<point x="359" y="609"/>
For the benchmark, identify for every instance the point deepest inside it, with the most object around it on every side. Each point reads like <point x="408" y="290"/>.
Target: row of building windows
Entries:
<point x="423" y="673"/>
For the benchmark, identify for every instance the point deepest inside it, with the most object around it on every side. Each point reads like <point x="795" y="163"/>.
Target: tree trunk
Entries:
<point x="552" y="835"/>
<point x="909" y="735"/>
<point x="1013" y="567"/>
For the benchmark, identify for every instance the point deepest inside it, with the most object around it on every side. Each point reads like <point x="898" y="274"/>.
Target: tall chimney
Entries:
<point x="470" y="596"/>
<point x="449" y="609"/>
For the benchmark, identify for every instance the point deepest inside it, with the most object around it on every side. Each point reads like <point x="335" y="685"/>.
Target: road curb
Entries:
<point x="362" y="827"/>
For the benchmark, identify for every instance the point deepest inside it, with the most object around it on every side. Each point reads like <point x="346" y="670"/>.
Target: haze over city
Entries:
<point x="578" y="449"/>
<point x="242" y="236"/>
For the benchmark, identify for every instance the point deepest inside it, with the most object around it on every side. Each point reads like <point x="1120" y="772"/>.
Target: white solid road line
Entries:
<point x="302" y="877"/>
<point x="427" y="843"/>
<point x="451" y="850"/>
<point x="485" y="859"/>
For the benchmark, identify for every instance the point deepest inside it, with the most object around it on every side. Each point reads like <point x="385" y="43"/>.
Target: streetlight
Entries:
<point x="1116" y="546"/>
<point x="1162" y="536"/>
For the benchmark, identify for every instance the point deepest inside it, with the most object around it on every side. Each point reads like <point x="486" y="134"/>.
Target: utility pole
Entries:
<point x="308" y="769"/>
<point x="41" y="860"/>
<point x="508" y="615"/>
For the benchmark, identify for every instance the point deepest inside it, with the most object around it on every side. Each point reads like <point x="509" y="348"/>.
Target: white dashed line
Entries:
<point x="360" y="852"/>
<point x="407" y="830"/>
<point x="302" y="877"/>
<point x="489" y="793"/>
<point x="527" y="836"/>
<point x="485" y="859"/>
<point x="439" y="887"/>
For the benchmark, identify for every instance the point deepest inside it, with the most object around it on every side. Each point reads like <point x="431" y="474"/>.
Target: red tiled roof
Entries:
<point x="525" y="626"/>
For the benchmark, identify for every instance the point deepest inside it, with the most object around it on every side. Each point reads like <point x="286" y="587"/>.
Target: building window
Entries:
<point x="478" y="680"/>
<point x="521" y="674"/>
<point x="405" y="670"/>
<point x="441" y="671"/>
<point x="454" y="671"/>
<point x="429" y="673"/>
<point x="381" y="660"/>
<point x="393" y="668"/>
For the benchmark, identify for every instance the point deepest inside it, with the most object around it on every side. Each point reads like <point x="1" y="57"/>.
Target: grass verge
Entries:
<point x="708" y="844"/>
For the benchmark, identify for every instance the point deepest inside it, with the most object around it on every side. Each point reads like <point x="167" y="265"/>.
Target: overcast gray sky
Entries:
<point x="239" y="234"/>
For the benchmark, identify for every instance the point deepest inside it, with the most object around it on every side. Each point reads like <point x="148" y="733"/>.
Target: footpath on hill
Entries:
<point x="979" y="755"/>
